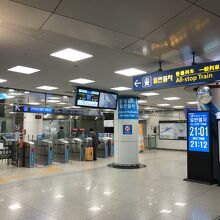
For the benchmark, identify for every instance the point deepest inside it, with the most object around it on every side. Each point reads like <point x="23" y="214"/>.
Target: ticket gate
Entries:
<point x="44" y="152"/>
<point x="110" y="143"/>
<point x="61" y="151"/>
<point x="102" y="148"/>
<point x="76" y="150"/>
<point x="28" y="155"/>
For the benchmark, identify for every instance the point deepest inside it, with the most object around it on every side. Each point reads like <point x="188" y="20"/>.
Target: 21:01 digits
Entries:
<point x="199" y="144"/>
<point x="198" y="131"/>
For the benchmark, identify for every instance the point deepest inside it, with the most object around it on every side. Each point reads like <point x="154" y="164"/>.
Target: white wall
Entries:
<point x="153" y="121"/>
<point x="33" y="126"/>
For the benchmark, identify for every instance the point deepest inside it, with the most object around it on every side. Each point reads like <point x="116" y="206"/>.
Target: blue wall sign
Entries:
<point x="198" y="131"/>
<point x="127" y="129"/>
<point x="127" y="108"/>
<point x="189" y="75"/>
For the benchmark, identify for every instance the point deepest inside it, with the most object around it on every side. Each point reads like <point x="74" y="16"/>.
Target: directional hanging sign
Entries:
<point x="189" y="75"/>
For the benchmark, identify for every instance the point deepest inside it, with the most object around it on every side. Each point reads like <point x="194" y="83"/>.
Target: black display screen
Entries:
<point x="86" y="97"/>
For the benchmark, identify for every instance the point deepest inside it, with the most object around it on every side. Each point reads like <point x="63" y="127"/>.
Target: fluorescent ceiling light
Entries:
<point x="34" y="103"/>
<point x="130" y="72"/>
<point x="71" y="55"/>
<point x="26" y="92"/>
<point x="10" y="96"/>
<point x="150" y="93"/>
<point x="178" y="106"/>
<point x="65" y="97"/>
<point x="23" y="69"/>
<point x="15" y="206"/>
<point x="171" y="98"/>
<point x="3" y="80"/>
<point x="47" y="87"/>
<point x="15" y="93"/>
<point x="62" y="103"/>
<point x="121" y="88"/>
<point x="192" y="103"/>
<point x="54" y="98"/>
<point x="53" y="101"/>
<point x="142" y="101"/>
<point x="163" y="105"/>
<point x="73" y="107"/>
<point x="81" y="81"/>
<point x="11" y="90"/>
<point x="148" y="108"/>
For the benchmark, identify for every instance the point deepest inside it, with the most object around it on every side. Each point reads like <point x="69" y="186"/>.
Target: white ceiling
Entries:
<point x="119" y="34"/>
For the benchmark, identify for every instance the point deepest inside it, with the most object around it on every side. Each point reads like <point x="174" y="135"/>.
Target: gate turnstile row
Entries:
<point x="44" y="152"/>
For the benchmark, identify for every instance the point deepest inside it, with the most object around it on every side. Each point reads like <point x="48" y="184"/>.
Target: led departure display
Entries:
<point x="198" y="131"/>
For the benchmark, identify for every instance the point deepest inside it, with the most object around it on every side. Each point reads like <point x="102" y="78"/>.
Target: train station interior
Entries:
<point x="109" y="110"/>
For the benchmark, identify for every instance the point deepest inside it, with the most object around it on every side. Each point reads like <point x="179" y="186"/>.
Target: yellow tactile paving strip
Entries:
<point x="9" y="174"/>
<point x="35" y="172"/>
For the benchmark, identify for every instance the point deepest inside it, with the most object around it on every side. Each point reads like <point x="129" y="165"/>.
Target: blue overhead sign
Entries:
<point x="198" y="131"/>
<point x="56" y="111"/>
<point x="189" y="75"/>
<point x="127" y="108"/>
<point x="32" y="109"/>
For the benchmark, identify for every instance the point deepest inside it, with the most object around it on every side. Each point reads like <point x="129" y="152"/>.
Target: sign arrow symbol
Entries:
<point x="136" y="83"/>
<point x="17" y="108"/>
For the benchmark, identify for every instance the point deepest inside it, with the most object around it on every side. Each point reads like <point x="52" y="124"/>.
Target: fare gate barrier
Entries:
<point x="28" y="155"/>
<point x="61" y="151"/>
<point x="102" y="149"/>
<point x="110" y="147"/>
<point x="106" y="148"/>
<point x="76" y="149"/>
<point x="44" y="152"/>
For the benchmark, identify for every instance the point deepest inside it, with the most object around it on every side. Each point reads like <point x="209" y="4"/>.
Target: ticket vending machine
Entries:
<point x="61" y="150"/>
<point x="29" y="155"/>
<point x="44" y="152"/>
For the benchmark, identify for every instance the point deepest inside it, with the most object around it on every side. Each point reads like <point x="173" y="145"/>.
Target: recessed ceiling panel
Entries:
<point x="48" y="5"/>
<point x="192" y="30"/>
<point x="87" y="32"/>
<point x="135" y="18"/>
<point x="212" y="6"/>
<point x="16" y="13"/>
<point x="158" y="51"/>
<point x="180" y="92"/>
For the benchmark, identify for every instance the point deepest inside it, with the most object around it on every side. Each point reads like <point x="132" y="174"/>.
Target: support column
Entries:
<point x="126" y="133"/>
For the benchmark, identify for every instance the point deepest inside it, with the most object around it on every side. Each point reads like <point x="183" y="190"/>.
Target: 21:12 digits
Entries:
<point x="199" y="144"/>
<point x="199" y="131"/>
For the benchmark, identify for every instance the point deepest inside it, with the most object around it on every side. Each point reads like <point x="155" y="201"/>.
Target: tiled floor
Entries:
<point x="98" y="192"/>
